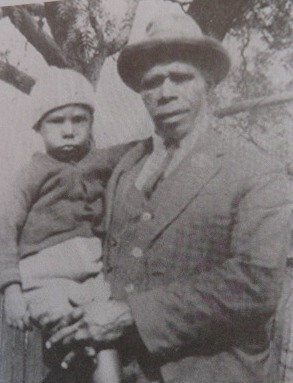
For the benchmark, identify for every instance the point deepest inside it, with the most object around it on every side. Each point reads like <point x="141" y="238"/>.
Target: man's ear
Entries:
<point x="210" y="82"/>
<point x="92" y="120"/>
<point x="91" y="140"/>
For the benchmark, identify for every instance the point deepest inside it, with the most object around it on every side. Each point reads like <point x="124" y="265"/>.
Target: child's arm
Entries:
<point x="15" y="205"/>
<point x="15" y="307"/>
<point x="108" y="158"/>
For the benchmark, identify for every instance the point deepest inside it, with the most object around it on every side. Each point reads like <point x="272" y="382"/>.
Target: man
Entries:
<point x="197" y="230"/>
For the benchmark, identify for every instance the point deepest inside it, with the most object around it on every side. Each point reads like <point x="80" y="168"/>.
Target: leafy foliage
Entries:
<point x="90" y="30"/>
<point x="274" y="20"/>
<point x="259" y="36"/>
<point x="217" y="17"/>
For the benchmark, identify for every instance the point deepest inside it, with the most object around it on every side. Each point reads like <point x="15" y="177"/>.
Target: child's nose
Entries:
<point x="68" y="129"/>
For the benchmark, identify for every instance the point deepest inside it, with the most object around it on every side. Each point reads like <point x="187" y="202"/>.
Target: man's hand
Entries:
<point x="96" y="325"/>
<point x="89" y="352"/>
<point x="16" y="312"/>
<point x="46" y="312"/>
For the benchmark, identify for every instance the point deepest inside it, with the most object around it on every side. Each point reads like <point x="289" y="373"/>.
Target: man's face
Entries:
<point x="66" y="130"/>
<point x="173" y="93"/>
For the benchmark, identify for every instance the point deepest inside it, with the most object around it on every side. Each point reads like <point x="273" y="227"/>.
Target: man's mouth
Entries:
<point x="170" y="116"/>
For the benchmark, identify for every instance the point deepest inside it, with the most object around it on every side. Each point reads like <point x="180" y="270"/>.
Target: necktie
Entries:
<point x="153" y="181"/>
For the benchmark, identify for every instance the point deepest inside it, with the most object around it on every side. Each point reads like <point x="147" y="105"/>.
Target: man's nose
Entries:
<point x="167" y="90"/>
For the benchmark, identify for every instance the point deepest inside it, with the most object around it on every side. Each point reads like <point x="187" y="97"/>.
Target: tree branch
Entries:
<point x="25" y="23"/>
<point x="36" y="9"/>
<point x="248" y="105"/>
<point x="15" y="77"/>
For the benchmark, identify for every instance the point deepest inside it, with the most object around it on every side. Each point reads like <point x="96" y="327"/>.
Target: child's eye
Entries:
<point x="56" y="120"/>
<point x="79" y="119"/>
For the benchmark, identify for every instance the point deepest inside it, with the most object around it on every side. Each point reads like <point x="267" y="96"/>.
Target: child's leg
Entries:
<point x="108" y="368"/>
<point x="75" y="259"/>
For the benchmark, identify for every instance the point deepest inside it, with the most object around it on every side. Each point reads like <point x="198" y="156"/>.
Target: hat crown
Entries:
<point x="173" y="36"/>
<point x="173" y="27"/>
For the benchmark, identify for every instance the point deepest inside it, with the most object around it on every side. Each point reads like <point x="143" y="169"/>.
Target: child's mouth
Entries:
<point x="68" y="148"/>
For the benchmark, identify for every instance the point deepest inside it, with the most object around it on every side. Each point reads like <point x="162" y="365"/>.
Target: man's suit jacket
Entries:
<point x="206" y="268"/>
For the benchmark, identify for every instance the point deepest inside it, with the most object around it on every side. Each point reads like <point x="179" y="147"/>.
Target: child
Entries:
<point x="50" y="258"/>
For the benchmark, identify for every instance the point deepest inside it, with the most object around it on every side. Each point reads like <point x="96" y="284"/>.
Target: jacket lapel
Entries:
<point x="126" y="163"/>
<point x="177" y="191"/>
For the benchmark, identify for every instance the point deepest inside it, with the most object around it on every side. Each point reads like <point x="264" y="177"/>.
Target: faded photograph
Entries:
<point x="146" y="196"/>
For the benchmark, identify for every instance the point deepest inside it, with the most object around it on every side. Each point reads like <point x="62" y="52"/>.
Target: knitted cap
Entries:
<point x="58" y="88"/>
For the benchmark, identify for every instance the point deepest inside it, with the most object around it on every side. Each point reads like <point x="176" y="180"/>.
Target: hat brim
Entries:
<point x="36" y="126"/>
<point x="207" y="54"/>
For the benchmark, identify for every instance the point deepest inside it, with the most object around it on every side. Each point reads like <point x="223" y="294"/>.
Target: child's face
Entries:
<point x="67" y="130"/>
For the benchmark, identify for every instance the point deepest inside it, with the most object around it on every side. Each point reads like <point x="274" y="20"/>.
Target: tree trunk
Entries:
<point x="249" y="105"/>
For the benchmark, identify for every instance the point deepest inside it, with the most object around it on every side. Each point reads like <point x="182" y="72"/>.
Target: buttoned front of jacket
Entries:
<point x="211" y="263"/>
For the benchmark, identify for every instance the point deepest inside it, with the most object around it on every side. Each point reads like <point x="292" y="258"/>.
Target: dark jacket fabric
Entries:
<point x="201" y="264"/>
<point x="52" y="201"/>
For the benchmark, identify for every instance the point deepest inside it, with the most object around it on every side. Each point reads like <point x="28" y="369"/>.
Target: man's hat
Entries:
<point x="173" y="36"/>
<point x="59" y="88"/>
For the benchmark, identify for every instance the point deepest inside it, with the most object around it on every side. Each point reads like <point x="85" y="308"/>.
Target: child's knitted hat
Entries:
<point x="58" y="88"/>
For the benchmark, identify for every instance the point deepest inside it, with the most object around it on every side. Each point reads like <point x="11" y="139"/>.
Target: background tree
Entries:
<point x="85" y="32"/>
<point x="81" y="34"/>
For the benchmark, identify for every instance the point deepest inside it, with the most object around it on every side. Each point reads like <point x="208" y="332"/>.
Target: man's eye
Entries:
<point x="151" y="83"/>
<point x="178" y="77"/>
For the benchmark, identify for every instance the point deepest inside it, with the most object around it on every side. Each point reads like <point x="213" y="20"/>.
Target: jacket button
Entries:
<point x="146" y="216"/>
<point x="137" y="252"/>
<point x="129" y="288"/>
<point x="113" y="242"/>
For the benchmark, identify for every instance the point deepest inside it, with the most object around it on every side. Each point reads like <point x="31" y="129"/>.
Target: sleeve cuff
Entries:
<point x="8" y="277"/>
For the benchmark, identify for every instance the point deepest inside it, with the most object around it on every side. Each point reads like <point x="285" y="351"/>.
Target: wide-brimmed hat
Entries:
<point x="173" y="36"/>
<point x="58" y="88"/>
